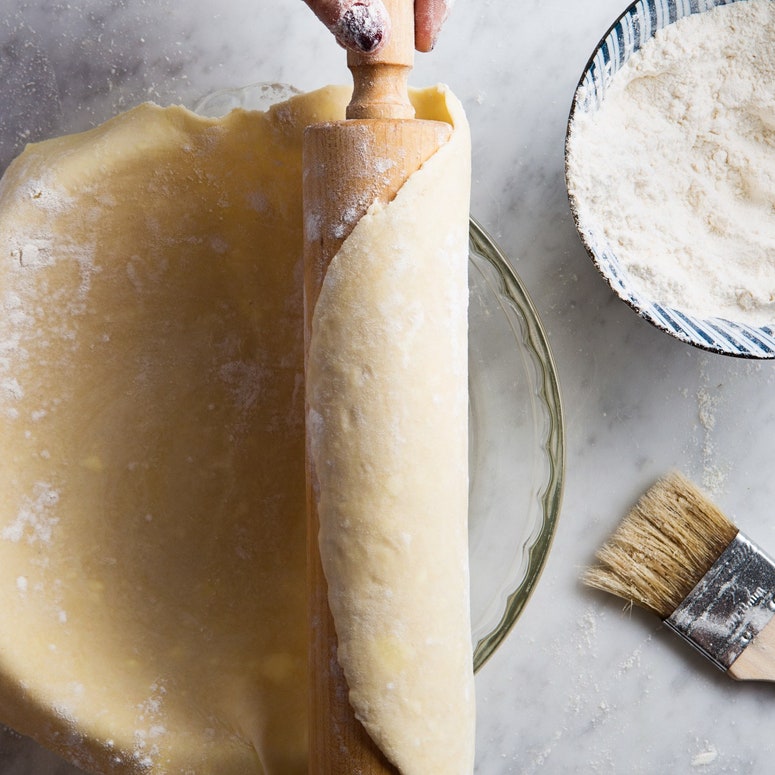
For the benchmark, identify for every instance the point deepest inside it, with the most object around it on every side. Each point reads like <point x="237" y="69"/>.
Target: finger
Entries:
<point x="360" y="25"/>
<point x="429" y="16"/>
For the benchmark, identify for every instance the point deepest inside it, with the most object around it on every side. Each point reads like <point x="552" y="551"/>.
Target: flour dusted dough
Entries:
<point x="152" y="516"/>
<point x="152" y="614"/>
<point x="388" y="410"/>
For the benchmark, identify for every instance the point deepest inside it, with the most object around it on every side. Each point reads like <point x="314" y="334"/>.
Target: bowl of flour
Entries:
<point x="670" y="168"/>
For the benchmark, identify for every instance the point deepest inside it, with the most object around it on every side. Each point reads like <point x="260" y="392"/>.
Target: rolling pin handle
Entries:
<point x="380" y="79"/>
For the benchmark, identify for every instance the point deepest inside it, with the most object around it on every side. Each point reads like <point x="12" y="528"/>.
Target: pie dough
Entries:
<point x="152" y="515"/>
<point x="388" y="418"/>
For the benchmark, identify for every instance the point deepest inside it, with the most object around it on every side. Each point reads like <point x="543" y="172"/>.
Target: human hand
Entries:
<point x="364" y="25"/>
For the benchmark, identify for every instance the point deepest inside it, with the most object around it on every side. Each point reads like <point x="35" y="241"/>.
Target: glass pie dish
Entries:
<point x="517" y="445"/>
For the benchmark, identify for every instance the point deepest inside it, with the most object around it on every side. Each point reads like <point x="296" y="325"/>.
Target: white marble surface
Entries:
<point x="580" y="686"/>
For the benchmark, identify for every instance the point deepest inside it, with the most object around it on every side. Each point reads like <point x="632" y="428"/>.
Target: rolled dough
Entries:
<point x="388" y="419"/>
<point x="152" y="613"/>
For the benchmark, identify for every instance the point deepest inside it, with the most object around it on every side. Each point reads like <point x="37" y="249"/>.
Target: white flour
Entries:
<point x="676" y="171"/>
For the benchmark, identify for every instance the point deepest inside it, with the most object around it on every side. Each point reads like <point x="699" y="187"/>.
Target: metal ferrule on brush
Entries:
<point x="731" y="604"/>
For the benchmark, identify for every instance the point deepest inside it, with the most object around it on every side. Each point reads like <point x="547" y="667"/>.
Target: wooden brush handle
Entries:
<point x="757" y="662"/>
<point x="348" y="165"/>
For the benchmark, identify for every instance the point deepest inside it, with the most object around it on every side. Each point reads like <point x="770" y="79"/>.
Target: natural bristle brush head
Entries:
<point x="663" y="547"/>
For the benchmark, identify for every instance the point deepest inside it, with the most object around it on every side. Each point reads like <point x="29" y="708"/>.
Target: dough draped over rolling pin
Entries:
<point x="388" y="434"/>
<point x="152" y="516"/>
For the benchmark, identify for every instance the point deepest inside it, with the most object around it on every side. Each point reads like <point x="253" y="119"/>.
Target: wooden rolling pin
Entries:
<point x="345" y="171"/>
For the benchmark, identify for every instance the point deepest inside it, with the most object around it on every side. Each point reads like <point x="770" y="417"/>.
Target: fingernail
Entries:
<point x="363" y="26"/>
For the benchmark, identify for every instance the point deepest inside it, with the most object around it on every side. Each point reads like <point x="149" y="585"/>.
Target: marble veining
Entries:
<point x="581" y="685"/>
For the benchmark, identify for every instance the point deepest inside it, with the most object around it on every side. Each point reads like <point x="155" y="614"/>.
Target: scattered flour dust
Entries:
<point x="150" y="727"/>
<point x="705" y="757"/>
<point x="676" y="170"/>
<point x="36" y="518"/>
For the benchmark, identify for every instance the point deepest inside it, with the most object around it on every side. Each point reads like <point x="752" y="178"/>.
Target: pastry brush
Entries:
<point x="677" y="555"/>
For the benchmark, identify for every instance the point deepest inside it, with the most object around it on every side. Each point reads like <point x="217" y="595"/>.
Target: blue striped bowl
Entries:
<point x="630" y="31"/>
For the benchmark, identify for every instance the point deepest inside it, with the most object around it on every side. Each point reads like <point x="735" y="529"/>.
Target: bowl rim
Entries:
<point x="671" y="320"/>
